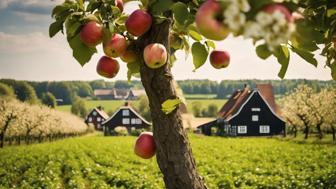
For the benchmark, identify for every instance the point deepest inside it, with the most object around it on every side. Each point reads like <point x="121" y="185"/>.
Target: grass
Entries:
<point x="109" y="162"/>
<point x="206" y="102"/>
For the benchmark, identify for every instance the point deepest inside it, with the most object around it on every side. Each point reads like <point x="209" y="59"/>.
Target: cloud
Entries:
<point x="29" y="43"/>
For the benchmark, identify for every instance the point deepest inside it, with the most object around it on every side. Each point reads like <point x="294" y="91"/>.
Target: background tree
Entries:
<point x="49" y="99"/>
<point x="6" y="90"/>
<point x="151" y="37"/>
<point x="78" y="107"/>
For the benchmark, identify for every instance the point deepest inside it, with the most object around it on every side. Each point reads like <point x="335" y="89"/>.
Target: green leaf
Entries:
<point x="170" y="105"/>
<point x="58" y="9"/>
<point x="181" y="12"/>
<point x="158" y="19"/>
<point x="81" y="52"/>
<point x="55" y="27"/>
<point x="263" y="52"/>
<point x="308" y="56"/>
<point x="282" y="55"/>
<point x="195" y="35"/>
<point x="133" y="68"/>
<point x="199" y="53"/>
<point x="210" y="44"/>
<point x="161" y="6"/>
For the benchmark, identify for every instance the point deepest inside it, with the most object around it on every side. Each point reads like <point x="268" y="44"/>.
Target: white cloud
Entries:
<point x="28" y="43"/>
<point x="32" y="17"/>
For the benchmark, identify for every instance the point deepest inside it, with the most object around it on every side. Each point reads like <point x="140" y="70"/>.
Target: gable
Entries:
<point x="256" y="97"/>
<point x="126" y="112"/>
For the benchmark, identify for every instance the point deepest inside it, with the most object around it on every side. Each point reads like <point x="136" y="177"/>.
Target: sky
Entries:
<point x="27" y="52"/>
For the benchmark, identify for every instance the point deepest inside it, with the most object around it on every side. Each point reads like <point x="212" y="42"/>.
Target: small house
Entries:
<point x="126" y="117"/>
<point x="97" y="116"/>
<point x="248" y="113"/>
<point x="118" y="94"/>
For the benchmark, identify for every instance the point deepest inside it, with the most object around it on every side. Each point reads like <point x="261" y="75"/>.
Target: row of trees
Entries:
<point x="21" y="121"/>
<point x="225" y="88"/>
<point x="309" y="111"/>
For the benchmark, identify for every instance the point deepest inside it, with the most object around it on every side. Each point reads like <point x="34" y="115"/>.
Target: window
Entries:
<point x="94" y="113"/>
<point x="125" y="121"/>
<point x="138" y="121"/>
<point x="255" y="109"/>
<point x="90" y="119"/>
<point x="125" y="112"/>
<point x="242" y="129"/>
<point x="98" y="119"/>
<point x="255" y="118"/>
<point x="98" y="126"/>
<point x="133" y="121"/>
<point x="264" y="129"/>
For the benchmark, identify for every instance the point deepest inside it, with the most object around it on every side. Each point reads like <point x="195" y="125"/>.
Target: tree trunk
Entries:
<point x="319" y="130"/>
<point x="306" y="132"/>
<point x="295" y="131"/>
<point x="173" y="151"/>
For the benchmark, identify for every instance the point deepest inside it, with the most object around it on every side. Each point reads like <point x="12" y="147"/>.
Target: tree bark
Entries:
<point x="306" y="132"/>
<point x="173" y="151"/>
<point x="3" y="131"/>
<point x="319" y="130"/>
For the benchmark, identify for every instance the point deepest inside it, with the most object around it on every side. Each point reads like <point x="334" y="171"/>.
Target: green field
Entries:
<point x="112" y="105"/>
<point x="108" y="162"/>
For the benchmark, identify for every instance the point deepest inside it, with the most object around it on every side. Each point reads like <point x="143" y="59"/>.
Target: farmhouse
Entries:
<point x="126" y="117"/>
<point x="97" y="116"/>
<point x="248" y="113"/>
<point x="118" y="94"/>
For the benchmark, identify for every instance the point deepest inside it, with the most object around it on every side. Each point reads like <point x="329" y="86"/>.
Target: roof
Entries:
<point x="138" y="92"/>
<point x="131" y="109"/>
<point x="240" y="97"/>
<point x="97" y="92"/>
<point x="113" y="92"/>
<point x="101" y="112"/>
<point x="234" y="103"/>
<point x="266" y="90"/>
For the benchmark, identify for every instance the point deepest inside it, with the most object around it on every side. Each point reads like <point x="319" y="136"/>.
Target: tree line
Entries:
<point x="225" y="88"/>
<point x="308" y="111"/>
<point x="23" y="122"/>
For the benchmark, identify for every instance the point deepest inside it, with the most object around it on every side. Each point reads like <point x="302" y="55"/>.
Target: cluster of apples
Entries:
<point x="137" y="24"/>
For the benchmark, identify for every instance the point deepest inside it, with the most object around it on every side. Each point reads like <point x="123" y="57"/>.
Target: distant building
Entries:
<point x="248" y="113"/>
<point x="126" y="117"/>
<point x="97" y="116"/>
<point x="118" y="94"/>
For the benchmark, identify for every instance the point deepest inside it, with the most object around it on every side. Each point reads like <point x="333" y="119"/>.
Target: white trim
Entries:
<point x="240" y="128"/>
<point x="131" y="109"/>
<point x="255" y="118"/>
<point x="242" y="106"/>
<point x="263" y="131"/>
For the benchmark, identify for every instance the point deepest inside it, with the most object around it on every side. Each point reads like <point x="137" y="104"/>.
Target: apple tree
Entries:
<point x="147" y="39"/>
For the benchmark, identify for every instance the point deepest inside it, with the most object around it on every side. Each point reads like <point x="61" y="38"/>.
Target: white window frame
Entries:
<point x="255" y="118"/>
<point x="98" y="119"/>
<point x="255" y="109"/>
<point x="264" y="129"/>
<point x="94" y="113"/>
<point x="126" y="121"/>
<point x="242" y="129"/>
<point x="125" y="113"/>
<point x="133" y="121"/>
<point x="138" y="121"/>
<point x="90" y="119"/>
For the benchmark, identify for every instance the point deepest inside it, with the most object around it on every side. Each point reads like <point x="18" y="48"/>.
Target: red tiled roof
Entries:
<point x="266" y="90"/>
<point x="236" y="100"/>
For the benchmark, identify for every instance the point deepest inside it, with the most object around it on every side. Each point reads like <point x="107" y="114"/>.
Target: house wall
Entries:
<point x="120" y="119"/>
<point x="96" y="120"/>
<point x="265" y="118"/>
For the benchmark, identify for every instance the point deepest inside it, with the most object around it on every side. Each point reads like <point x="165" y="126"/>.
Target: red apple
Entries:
<point x="145" y="145"/>
<point x="116" y="47"/>
<point x="107" y="67"/>
<point x="271" y="8"/>
<point x="129" y="56"/>
<point x="209" y="21"/>
<point x="138" y="22"/>
<point x="219" y="59"/>
<point x="155" y="55"/>
<point x="119" y="4"/>
<point x="92" y="34"/>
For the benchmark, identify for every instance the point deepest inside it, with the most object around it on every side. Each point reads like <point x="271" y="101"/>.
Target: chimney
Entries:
<point x="100" y="108"/>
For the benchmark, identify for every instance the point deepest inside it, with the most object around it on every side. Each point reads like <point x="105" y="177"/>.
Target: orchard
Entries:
<point x="147" y="39"/>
